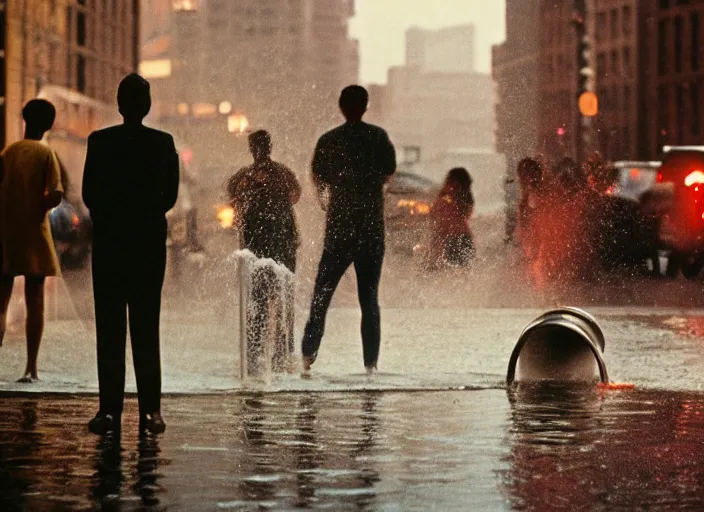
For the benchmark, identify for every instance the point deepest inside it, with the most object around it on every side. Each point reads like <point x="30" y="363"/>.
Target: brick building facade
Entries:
<point x="72" y="52"/>
<point x="673" y="73"/>
<point x="515" y="73"/>
<point x="617" y="35"/>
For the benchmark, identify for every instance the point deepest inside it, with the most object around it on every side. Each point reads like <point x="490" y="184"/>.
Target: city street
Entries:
<point x="439" y="330"/>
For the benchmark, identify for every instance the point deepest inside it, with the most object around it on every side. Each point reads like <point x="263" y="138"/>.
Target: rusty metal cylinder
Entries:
<point x="564" y="344"/>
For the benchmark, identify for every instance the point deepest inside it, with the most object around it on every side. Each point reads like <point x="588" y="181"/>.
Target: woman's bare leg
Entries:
<point x="34" y="297"/>
<point x="6" y="283"/>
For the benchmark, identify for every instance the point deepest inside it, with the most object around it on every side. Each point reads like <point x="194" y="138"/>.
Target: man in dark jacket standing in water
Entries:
<point x="351" y="165"/>
<point x="130" y="181"/>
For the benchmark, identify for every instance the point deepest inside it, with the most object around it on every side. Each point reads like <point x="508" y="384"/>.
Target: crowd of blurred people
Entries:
<point x="572" y="226"/>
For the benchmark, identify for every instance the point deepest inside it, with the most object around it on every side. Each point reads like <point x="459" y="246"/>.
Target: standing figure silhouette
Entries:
<point x="263" y="195"/>
<point x="130" y="181"/>
<point x="351" y="164"/>
<point x="30" y="186"/>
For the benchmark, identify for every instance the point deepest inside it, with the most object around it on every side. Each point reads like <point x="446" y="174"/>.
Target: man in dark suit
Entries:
<point x="130" y="181"/>
<point x="351" y="164"/>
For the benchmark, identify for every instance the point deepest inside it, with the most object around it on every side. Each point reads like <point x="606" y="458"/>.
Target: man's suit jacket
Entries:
<point x="130" y="181"/>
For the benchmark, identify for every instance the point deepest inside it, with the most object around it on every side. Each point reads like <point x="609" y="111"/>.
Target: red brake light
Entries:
<point x="694" y="178"/>
<point x="659" y="178"/>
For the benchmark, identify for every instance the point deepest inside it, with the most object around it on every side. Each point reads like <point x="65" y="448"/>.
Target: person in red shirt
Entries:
<point x="452" y="242"/>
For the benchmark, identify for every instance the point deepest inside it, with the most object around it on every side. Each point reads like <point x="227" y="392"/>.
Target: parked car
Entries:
<point x="408" y="198"/>
<point x="71" y="230"/>
<point x="681" y="177"/>
<point x="635" y="178"/>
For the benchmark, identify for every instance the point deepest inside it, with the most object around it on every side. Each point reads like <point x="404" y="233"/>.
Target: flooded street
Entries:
<point x="434" y="429"/>
<point x="533" y="449"/>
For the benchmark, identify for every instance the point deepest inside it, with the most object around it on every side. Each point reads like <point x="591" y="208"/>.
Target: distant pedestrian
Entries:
<point x="263" y="195"/>
<point x="452" y="242"/>
<point x="30" y="188"/>
<point x="531" y="176"/>
<point x="351" y="164"/>
<point x="130" y="181"/>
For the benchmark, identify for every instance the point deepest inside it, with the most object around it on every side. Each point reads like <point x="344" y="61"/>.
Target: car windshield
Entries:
<point x="404" y="182"/>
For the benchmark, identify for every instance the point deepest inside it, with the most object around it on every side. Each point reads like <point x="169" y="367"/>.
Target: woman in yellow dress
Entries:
<point x="30" y="186"/>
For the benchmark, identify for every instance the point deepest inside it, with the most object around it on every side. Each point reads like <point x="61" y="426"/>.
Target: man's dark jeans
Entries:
<point x="333" y="264"/>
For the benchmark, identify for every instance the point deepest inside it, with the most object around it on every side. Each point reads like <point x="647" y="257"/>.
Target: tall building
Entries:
<point x="72" y="52"/>
<point x="219" y="67"/>
<point x="673" y="73"/>
<point x="448" y="49"/>
<point x="618" y="44"/>
<point x="441" y="116"/>
<point x="558" y="118"/>
<point x="515" y="74"/>
<point x="438" y="111"/>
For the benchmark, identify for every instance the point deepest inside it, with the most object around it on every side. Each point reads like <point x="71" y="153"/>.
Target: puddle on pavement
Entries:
<point x="534" y="448"/>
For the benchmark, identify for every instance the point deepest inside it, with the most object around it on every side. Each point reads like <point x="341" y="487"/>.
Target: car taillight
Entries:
<point x="694" y="178"/>
<point x="659" y="177"/>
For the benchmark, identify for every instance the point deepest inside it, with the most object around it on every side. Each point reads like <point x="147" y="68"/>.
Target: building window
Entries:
<point x="627" y="100"/>
<point x="696" y="24"/>
<point x="601" y="64"/>
<point x="614" y="62"/>
<point x="679" y="25"/>
<point x="664" y="4"/>
<point x="626" y="21"/>
<point x="81" y="29"/>
<point x="600" y="26"/>
<point x="695" y="109"/>
<point x="663" y="109"/>
<point x="627" y="60"/>
<point x="614" y="23"/>
<point x="663" y="33"/>
<point x="680" y="114"/>
<point x="81" y="74"/>
<point x="615" y="99"/>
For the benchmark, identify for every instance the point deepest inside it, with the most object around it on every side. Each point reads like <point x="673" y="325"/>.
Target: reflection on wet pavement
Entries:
<point x="533" y="448"/>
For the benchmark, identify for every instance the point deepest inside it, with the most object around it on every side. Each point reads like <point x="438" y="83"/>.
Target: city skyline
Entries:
<point x="380" y="27"/>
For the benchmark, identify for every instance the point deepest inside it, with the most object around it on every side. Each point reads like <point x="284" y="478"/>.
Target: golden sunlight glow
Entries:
<point x="185" y="5"/>
<point x="237" y="123"/>
<point x="225" y="215"/>
<point x="204" y="109"/>
<point x="414" y="207"/>
<point x="159" y="68"/>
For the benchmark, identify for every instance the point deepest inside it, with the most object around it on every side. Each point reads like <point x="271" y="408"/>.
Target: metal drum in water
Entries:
<point x="564" y="344"/>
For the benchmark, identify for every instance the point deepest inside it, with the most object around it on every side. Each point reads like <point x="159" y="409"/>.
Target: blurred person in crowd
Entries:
<point x="651" y="209"/>
<point x="451" y="238"/>
<point x="565" y="238"/>
<point x="351" y="164"/>
<point x="624" y="232"/>
<point x="130" y="182"/>
<point x="31" y="187"/>
<point x="531" y="177"/>
<point x="263" y="195"/>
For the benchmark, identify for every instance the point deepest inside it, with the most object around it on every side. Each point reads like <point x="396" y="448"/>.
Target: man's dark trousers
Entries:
<point x="128" y="275"/>
<point x="334" y="263"/>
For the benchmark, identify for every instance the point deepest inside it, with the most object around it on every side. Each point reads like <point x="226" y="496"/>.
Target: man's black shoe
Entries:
<point x="102" y="424"/>
<point x="153" y="422"/>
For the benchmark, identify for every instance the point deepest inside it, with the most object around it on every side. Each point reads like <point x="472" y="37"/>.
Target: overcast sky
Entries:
<point x="380" y="26"/>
